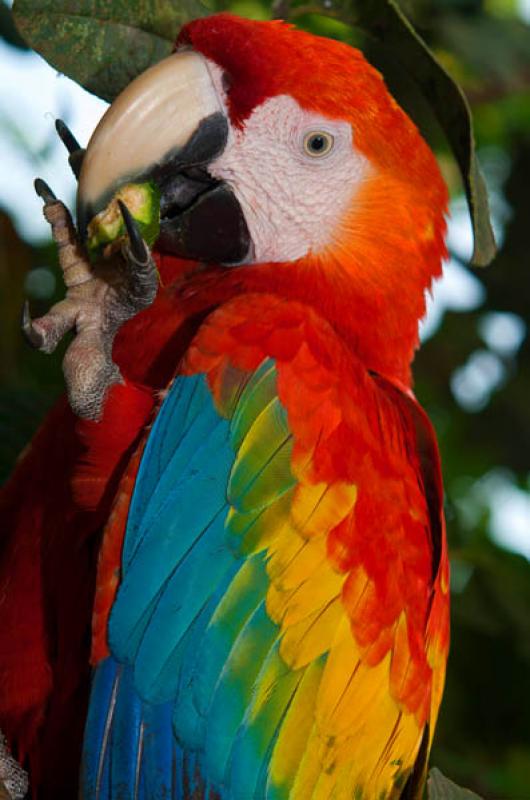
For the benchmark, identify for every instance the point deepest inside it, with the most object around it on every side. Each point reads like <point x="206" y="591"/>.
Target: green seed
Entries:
<point x="106" y="231"/>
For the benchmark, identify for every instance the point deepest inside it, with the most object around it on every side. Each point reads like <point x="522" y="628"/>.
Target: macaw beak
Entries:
<point x="167" y="126"/>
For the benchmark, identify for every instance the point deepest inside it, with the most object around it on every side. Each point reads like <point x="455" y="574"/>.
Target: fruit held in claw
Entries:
<point x="107" y="230"/>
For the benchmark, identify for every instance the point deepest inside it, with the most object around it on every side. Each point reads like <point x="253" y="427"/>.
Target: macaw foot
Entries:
<point x="99" y="299"/>
<point x="13" y="779"/>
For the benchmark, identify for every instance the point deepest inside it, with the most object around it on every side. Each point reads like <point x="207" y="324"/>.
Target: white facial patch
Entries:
<point x="293" y="186"/>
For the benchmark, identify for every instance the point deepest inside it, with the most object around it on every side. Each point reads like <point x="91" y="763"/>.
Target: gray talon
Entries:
<point x="33" y="337"/>
<point x="137" y="246"/>
<point x="66" y="136"/>
<point x="75" y="150"/>
<point x="44" y="191"/>
<point x="142" y="281"/>
<point x="13" y="779"/>
<point x="99" y="299"/>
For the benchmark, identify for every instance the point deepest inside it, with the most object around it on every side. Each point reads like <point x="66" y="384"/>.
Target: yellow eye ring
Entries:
<point x="318" y="143"/>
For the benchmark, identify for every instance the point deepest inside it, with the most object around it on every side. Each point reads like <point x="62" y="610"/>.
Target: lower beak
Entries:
<point x="166" y="127"/>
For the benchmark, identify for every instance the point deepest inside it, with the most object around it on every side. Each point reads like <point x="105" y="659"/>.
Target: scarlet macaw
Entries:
<point x="260" y="495"/>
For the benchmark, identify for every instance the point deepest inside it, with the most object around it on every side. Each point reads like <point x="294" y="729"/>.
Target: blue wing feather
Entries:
<point x="241" y="598"/>
<point x="184" y="595"/>
<point x="234" y="690"/>
<point x="96" y="761"/>
<point x="187" y="462"/>
<point x="126" y="739"/>
<point x="191" y="640"/>
<point x="193" y="508"/>
<point x="159" y="754"/>
<point x="181" y="406"/>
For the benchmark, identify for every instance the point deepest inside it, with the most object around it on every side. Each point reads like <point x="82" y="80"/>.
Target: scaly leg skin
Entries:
<point x="13" y="779"/>
<point x="99" y="299"/>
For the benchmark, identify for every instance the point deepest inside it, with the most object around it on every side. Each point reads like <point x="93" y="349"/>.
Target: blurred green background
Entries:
<point x="472" y="373"/>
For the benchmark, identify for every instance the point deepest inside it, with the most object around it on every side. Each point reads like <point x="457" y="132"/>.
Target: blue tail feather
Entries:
<point x="158" y="757"/>
<point x="126" y="739"/>
<point x="95" y="768"/>
<point x="130" y="751"/>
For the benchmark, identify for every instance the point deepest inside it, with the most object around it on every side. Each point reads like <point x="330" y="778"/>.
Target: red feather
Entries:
<point x="331" y="321"/>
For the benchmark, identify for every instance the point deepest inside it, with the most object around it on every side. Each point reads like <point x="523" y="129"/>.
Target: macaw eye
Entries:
<point x="318" y="143"/>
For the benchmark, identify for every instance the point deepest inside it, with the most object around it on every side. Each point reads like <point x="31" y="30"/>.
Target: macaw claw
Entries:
<point x="44" y="191"/>
<point x="32" y="335"/>
<point x="137" y="246"/>
<point x="13" y="779"/>
<point x="76" y="152"/>
<point x="99" y="299"/>
<point x="143" y="276"/>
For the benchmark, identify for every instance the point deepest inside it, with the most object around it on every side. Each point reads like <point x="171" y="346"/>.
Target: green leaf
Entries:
<point x="385" y="21"/>
<point x="103" y="44"/>
<point x="8" y="32"/>
<point x="441" y="788"/>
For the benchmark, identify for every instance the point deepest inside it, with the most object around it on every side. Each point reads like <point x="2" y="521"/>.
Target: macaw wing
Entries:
<point x="235" y="666"/>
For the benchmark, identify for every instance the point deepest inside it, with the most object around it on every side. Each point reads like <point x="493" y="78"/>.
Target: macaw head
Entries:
<point x="284" y="162"/>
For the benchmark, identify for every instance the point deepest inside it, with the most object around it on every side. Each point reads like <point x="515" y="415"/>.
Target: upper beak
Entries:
<point x="167" y="126"/>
